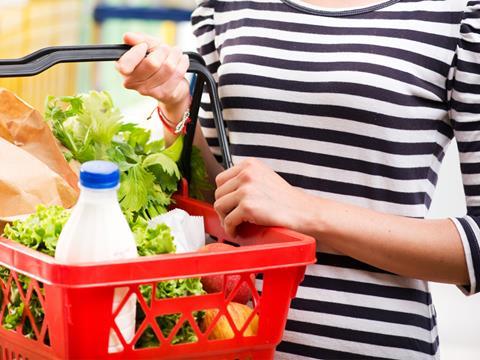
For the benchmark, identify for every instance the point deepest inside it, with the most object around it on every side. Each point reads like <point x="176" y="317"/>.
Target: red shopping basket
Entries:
<point x="77" y="299"/>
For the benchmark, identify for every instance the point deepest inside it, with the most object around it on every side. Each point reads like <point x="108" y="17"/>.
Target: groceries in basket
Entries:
<point x="41" y="231"/>
<point x="103" y="226"/>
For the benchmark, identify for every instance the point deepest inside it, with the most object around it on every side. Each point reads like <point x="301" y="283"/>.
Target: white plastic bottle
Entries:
<point x="98" y="231"/>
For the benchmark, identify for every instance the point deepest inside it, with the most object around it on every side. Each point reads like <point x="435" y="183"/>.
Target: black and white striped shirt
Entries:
<point x="356" y="105"/>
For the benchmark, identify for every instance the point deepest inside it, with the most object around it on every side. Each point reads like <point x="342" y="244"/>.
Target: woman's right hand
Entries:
<point x="155" y="69"/>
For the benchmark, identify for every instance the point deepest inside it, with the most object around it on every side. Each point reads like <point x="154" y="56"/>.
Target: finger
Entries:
<point x="129" y="61"/>
<point x="228" y="174"/>
<point x="226" y="204"/>
<point x="134" y="38"/>
<point x="232" y="220"/>
<point x="228" y="187"/>
<point x="172" y="84"/>
<point x="156" y="84"/>
<point x="169" y="66"/>
<point x="147" y="68"/>
<point x="177" y="87"/>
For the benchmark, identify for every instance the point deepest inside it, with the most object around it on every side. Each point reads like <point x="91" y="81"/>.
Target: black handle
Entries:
<point x="43" y="59"/>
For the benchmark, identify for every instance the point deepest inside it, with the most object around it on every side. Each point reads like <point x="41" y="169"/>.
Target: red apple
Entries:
<point x="214" y="283"/>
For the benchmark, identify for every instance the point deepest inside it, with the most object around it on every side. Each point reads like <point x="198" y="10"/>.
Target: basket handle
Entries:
<point x="43" y="59"/>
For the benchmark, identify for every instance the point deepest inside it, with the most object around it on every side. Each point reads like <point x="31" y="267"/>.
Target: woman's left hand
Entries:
<point x="252" y="192"/>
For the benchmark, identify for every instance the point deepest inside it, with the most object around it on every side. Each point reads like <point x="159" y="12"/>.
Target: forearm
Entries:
<point x="424" y="249"/>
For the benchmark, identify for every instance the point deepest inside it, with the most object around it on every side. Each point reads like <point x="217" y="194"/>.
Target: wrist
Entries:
<point x="179" y="101"/>
<point x="175" y="128"/>
<point x="311" y="219"/>
<point x="174" y="115"/>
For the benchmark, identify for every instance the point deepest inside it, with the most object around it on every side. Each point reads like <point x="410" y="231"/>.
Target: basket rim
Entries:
<point x="146" y="269"/>
<point x="284" y="248"/>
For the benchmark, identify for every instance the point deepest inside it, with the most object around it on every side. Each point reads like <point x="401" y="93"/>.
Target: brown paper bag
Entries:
<point x="4" y="133"/>
<point x="32" y="167"/>
<point x="29" y="131"/>
<point x="25" y="182"/>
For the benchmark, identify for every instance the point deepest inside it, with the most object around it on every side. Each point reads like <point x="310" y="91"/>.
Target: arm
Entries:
<point x="424" y="249"/>
<point x="465" y="119"/>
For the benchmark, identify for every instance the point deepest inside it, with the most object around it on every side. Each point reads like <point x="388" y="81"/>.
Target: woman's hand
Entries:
<point x="158" y="70"/>
<point x="252" y="192"/>
<point x="155" y="69"/>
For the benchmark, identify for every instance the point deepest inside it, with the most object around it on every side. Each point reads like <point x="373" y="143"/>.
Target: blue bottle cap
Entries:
<point x="99" y="175"/>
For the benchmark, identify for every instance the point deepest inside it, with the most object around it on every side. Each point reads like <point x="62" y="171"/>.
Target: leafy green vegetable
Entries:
<point x="133" y="192"/>
<point x="174" y="152"/>
<point x="152" y="240"/>
<point x="85" y="124"/>
<point x="199" y="183"/>
<point x="158" y="240"/>
<point x="166" y="164"/>
<point x="14" y="310"/>
<point x="39" y="231"/>
<point x="91" y="128"/>
<point x="13" y="315"/>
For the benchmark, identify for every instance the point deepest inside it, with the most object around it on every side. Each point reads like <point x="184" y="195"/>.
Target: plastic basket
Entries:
<point x="77" y="300"/>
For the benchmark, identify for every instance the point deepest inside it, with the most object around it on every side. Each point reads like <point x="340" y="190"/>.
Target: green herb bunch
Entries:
<point x="91" y="128"/>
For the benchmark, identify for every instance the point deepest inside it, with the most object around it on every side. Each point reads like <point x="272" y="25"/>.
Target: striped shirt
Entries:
<point x="357" y="105"/>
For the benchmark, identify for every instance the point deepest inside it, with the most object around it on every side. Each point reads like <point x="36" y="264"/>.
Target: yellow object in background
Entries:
<point x="30" y="25"/>
<point x="169" y="32"/>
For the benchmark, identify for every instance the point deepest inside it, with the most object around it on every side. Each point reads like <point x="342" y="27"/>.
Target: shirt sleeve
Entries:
<point x="465" y="119"/>
<point x="204" y="30"/>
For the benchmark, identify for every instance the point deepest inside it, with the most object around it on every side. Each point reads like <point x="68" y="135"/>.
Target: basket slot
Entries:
<point x="187" y="303"/>
<point x="147" y="338"/>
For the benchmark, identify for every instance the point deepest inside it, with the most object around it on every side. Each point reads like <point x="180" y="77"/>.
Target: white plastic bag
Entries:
<point x="188" y="231"/>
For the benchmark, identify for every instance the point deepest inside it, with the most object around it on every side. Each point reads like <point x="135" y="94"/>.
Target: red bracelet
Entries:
<point x="181" y="127"/>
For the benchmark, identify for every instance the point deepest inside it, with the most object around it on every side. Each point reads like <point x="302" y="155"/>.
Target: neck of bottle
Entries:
<point x="98" y="195"/>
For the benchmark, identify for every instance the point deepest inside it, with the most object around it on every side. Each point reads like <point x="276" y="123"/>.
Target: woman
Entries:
<point x="338" y="122"/>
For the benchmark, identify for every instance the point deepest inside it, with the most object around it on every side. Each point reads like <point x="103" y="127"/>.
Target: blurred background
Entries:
<point x="28" y="25"/>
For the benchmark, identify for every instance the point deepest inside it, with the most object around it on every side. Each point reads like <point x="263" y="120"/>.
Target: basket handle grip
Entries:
<point x="45" y="58"/>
